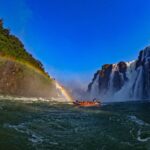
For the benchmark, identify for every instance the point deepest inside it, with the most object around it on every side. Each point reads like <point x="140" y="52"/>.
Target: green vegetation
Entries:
<point x="11" y="46"/>
<point x="20" y="73"/>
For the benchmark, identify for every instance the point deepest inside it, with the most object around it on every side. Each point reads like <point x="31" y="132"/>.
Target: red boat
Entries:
<point x="87" y="103"/>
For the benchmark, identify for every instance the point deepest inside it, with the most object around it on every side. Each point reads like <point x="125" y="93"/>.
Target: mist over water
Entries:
<point x="75" y="84"/>
<point x="62" y="92"/>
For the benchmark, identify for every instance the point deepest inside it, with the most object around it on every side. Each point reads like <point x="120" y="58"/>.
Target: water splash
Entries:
<point x="63" y="91"/>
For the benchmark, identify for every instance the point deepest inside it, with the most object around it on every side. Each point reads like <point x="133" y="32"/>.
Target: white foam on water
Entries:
<point x="25" y="99"/>
<point x="53" y="143"/>
<point x="33" y="137"/>
<point x="138" y="121"/>
<point x="141" y="139"/>
<point x="34" y="99"/>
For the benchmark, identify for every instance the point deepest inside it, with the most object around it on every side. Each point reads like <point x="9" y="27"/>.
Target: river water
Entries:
<point x="57" y="126"/>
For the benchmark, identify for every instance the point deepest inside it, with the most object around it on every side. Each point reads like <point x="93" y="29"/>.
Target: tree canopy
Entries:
<point x="11" y="46"/>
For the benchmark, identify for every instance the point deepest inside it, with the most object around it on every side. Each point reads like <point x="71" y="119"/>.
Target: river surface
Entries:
<point x="54" y="126"/>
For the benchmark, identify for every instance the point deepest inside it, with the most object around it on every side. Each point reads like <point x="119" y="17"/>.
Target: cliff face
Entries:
<point x="18" y="79"/>
<point x="124" y="80"/>
<point x="12" y="47"/>
<point x="20" y="73"/>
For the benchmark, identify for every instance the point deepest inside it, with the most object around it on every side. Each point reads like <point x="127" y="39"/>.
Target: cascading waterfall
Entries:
<point x="124" y="80"/>
<point x="114" y="68"/>
<point x="126" y="92"/>
<point x="138" y="85"/>
<point x="95" y="89"/>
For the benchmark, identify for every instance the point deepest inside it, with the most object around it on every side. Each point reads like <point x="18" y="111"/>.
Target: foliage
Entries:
<point x="11" y="46"/>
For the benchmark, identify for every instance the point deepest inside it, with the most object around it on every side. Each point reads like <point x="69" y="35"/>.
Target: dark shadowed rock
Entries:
<point x="131" y="79"/>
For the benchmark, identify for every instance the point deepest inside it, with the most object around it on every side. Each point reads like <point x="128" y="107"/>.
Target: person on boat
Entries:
<point x="76" y="101"/>
<point x="94" y="100"/>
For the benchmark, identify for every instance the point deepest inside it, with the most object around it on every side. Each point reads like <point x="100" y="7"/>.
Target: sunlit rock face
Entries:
<point x="19" y="79"/>
<point x="124" y="80"/>
<point x="21" y="75"/>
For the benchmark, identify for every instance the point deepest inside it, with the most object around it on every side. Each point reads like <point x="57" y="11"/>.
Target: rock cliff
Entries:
<point x="124" y="80"/>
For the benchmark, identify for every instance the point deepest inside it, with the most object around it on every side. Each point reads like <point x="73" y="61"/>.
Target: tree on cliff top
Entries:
<point x="11" y="46"/>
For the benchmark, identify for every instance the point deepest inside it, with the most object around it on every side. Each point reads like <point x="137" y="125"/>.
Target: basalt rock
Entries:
<point x="18" y="79"/>
<point x="20" y="73"/>
<point x="124" y="80"/>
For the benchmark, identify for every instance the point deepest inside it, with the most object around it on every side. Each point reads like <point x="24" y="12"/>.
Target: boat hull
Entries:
<point x="87" y="104"/>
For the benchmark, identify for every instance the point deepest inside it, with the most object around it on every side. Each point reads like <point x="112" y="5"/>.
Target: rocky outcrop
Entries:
<point x="124" y="80"/>
<point x="24" y="76"/>
<point x="18" y="79"/>
<point x="20" y="73"/>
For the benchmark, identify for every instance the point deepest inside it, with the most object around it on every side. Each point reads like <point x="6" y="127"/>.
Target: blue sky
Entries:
<point x="73" y="38"/>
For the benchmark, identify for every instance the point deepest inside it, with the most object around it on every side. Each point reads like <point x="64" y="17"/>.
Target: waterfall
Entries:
<point x="138" y="87"/>
<point x="95" y="88"/>
<point x="125" y="80"/>
<point x="115" y="68"/>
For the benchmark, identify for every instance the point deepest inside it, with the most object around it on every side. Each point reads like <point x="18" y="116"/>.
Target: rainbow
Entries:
<point x="62" y="90"/>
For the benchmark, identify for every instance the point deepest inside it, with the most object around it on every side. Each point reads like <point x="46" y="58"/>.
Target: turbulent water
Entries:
<point x="53" y="126"/>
